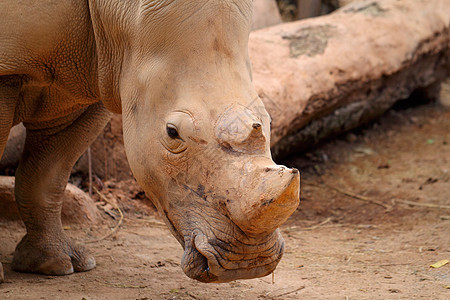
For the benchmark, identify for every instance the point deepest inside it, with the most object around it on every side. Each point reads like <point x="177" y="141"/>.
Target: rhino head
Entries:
<point x="197" y="136"/>
<point x="225" y="198"/>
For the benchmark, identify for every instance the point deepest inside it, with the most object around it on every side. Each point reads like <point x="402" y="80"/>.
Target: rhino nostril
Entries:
<point x="256" y="125"/>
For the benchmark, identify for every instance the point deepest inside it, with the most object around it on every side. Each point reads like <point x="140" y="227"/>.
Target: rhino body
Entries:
<point x="195" y="131"/>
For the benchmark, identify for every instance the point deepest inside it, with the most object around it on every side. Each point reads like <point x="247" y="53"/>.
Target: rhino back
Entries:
<point x="50" y="48"/>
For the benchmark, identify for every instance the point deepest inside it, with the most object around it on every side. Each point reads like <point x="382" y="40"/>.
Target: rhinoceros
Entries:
<point x="196" y="134"/>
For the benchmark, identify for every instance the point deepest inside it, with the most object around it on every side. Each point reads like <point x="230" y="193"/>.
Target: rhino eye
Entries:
<point x="172" y="131"/>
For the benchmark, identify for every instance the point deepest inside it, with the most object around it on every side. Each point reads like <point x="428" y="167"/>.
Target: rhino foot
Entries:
<point x="2" y="277"/>
<point x="50" y="257"/>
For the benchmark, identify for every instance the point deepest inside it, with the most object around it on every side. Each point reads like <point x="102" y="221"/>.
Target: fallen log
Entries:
<point x="320" y="77"/>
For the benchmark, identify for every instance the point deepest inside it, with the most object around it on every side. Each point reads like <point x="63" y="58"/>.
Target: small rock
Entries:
<point x="78" y="207"/>
<point x="13" y="148"/>
<point x="364" y="151"/>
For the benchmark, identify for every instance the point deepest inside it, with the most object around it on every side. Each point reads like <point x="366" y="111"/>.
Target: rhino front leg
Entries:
<point x="41" y="178"/>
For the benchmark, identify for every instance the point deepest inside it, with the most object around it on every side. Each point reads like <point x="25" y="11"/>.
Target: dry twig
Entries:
<point x="89" y="170"/>
<point x="152" y="222"/>
<point x="118" y="223"/>
<point x="317" y="225"/>
<point x="287" y="293"/>
<point x="122" y="285"/>
<point x="388" y="265"/>
<point x="192" y="296"/>
<point x="326" y="221"/>
<point x="348" y="194"/>
<point x="430" y="205"/>
<point x="295" y="228"/>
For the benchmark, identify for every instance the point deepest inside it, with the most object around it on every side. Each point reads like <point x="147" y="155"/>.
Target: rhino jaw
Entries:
<point x="205" y="260"/>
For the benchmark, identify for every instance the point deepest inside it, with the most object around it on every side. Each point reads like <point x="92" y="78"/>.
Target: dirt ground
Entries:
<point x="356" y="234"/>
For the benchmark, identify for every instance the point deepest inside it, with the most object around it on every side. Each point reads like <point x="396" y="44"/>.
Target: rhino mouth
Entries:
<point x="209" y="259"/>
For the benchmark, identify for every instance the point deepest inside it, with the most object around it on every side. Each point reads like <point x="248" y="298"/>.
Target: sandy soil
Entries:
<point x="354" y="235"/>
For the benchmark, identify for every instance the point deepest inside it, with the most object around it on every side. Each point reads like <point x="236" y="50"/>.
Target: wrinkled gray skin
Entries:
<point x="195" y="131"/>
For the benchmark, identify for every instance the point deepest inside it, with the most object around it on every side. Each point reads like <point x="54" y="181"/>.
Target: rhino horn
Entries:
<point x="270" y="203"/>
